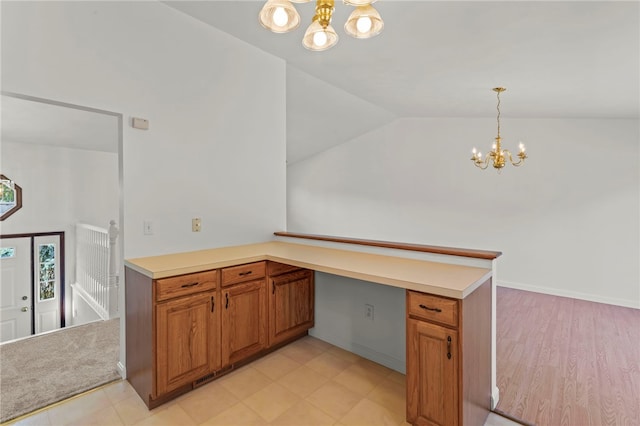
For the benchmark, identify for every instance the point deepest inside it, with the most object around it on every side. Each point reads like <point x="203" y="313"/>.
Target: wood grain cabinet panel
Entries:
<point x="433" y="363"/>
<point x="242" y="273"/>
<point x="291" y="305"/>
<point x="244" y="321"/>
<point x="187" y="340"/>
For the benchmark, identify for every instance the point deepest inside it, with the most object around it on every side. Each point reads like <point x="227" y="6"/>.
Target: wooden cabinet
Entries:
<point x="432" y="366"/>
<point x="291" y="302"/>
<point x="173" y="332"/>
<point x="438" y="393"/>
<point x="187" y="340"/>
<point x="244" y="312"/>
<point x="188" y="329"/>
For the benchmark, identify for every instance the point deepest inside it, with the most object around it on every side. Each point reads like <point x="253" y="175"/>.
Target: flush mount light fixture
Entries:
<point x="280" y="16"/>
<point x="498" y="156"/>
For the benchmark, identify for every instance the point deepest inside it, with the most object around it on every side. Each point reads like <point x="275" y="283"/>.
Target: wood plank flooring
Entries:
<point x="563" y="361"/>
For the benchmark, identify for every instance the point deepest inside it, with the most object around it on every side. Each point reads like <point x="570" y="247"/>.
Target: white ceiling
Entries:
<point x="574" y="59"/>
<point x="42" y="123"/>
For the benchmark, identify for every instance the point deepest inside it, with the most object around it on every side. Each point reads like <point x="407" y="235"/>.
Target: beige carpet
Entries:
<point x="41" y="370"/>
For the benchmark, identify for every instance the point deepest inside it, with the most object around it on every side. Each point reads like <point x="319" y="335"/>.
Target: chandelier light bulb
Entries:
<point x="364" y="24"/>
<point x="320" y="38"/>
<point x="521" y="146"/>
<point x="280" y="17"/>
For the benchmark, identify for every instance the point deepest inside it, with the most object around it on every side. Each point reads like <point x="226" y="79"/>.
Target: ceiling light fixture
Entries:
<point x="497" y="156"/>
<point x="280" y="16"/>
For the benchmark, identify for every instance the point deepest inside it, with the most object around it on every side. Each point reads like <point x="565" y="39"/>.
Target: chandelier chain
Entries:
<point x="498" y="108"/>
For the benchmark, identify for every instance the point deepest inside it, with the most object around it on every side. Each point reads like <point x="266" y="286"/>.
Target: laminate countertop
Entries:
<point x="442" y="279"/>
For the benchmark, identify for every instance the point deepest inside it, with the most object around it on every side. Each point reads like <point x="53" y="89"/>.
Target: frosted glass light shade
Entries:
<point x="364" y="22"/>
<point x="315" y="35"/>
<point x="279" y="16"/>
<point x="358" y="2"/>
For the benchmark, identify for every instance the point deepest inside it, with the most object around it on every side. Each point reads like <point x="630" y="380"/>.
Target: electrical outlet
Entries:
<point x="368" y="312"/>
<point x="147" y="227"/>
<point x="196" y="224"/>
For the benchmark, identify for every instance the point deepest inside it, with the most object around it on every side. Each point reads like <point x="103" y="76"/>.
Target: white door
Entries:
<point x="15" y="288"/>
<point x="47" y="280"/>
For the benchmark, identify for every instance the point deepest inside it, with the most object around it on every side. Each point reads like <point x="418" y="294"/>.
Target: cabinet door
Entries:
<point x="187" y="340"/>
<point x="244" y="321"/>
<point x="291" y="301"/>
<point x="432" y="375"/>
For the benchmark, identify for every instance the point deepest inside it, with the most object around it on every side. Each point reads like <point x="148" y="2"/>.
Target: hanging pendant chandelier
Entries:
<point x="498" y="156"/>
<point x="280" y="16"/>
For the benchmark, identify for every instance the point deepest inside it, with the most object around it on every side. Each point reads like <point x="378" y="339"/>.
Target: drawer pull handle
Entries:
<point x="189" y="285"/>
<point x="431" y="309"/>
<point x="448" y="347"/>
<point x="213" y="303"/>
<point x="226" y="305"/>
<point x="242" y="274"/>
<point x="273" y="287"/>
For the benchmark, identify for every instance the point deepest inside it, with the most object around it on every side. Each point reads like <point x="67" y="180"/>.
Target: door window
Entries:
<point x="47" y="271"/>
<point x="7" y="252"/>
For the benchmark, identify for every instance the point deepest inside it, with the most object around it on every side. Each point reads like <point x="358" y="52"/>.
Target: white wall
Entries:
<point x="216" y="144"/>
<point x="567" y="221"/>
<point x="60" y="187"/>
<point x="340" y="318"/>
<point x="216" y="106"/>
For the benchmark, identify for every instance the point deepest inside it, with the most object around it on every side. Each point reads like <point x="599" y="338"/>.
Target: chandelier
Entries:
<point x="280" y="16"/>
<point x="498" y="156"/>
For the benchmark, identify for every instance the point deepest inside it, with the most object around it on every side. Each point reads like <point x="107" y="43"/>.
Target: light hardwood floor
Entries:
<point x="306" y="383"/>
<point x="564" y="361"/>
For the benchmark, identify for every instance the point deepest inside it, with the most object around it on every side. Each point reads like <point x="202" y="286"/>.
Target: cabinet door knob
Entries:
<point x="448" y="347"/>
<point x="25" y="309"/>
<point x="24" y="297"/>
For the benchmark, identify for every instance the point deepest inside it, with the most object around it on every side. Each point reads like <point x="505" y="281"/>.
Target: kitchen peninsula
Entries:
<point x="191" y="317"/>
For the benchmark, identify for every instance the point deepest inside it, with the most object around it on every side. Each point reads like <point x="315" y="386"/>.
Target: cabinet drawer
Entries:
<point x="168" y="288"/>
<point x="276" y="268"/>
<point x="241" y="273"/>
<point x="432" y="308"/>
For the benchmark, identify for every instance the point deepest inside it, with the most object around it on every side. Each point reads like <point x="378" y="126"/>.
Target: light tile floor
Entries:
<point x="306" y="383"/>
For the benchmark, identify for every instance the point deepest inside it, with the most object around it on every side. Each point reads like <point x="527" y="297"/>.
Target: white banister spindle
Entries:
<point x="96" y="267"/>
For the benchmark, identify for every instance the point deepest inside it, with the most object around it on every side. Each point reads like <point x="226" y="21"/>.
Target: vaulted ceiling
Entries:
<point x="571" y="59"/>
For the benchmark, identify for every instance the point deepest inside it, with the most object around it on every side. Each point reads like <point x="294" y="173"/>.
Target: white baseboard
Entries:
<point x="121" y="369"/>
<point x="364" y="351"/>
<point x="571" y="294"/>
<point x="495" y="397"/>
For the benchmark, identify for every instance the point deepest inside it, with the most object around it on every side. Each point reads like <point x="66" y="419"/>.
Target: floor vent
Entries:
<point x="202" y="380"/>
<point x="209" y="377"/>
